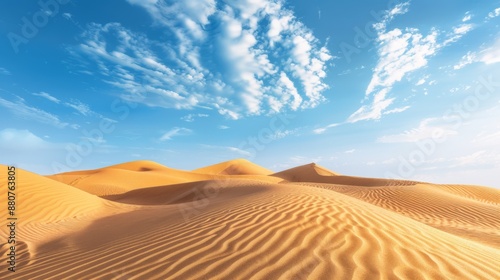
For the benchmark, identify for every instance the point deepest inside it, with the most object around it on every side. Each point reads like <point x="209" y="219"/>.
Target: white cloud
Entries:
<point x="399" y="9"/>
<point x="80" y="107"/>
<point x="322" y="130"/>
<point x="279" y="134"/>
<point x="467" y="59"/>
<point x="467" y="17"/>
<point x="471" y="159"/>
<point x="350" y="151"/>
<point x="176" y="131"/>
<point x="457" y="33"/>
<point x="224" y="55"/>
<point x="397" y="110"/>
<point x="400" y="53"/>
<point x="431" y="128"/>
<point x="286" y="90"/>
<point x="420" y="82"/>
<point x="239" y="151"/>
<point x="23" y="110"/>
<point x="487" y="56"/>
<point x="223" y="127"/>
<point x="462" y="29"/>
<point x="192" y="117"/>
<point x="494" y="13"/>
<point x="492" y="54"/>
<point x="373" y="111"/>
<point x="296" y="160"/>
<point x="487" y="138"/>
<point x="48" y="97"/>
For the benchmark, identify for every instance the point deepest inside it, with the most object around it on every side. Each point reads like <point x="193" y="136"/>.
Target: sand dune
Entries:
<point x="154" y="222"/>
<point x="47" y="209"/>
<point x="315" y="173"/>
<point x="234" y="167"/>
<point x="118" y="179"/>
<point x="122" y="178"/>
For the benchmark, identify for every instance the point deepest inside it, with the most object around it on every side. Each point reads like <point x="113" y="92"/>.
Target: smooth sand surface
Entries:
<point x="237" y="220"/>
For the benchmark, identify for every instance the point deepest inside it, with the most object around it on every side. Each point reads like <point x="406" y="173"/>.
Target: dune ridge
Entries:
<point x="234" y="167"/>
<point x="156" y="222"/>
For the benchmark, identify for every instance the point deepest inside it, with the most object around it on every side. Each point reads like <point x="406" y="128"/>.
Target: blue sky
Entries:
<point x="370" y="88"/>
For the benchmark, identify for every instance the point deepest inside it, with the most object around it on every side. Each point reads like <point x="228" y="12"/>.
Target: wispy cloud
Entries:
<point x="397" y="110"/>
<point x="47" y="96"/>
<point x="176" y="131"/>
<point x="321" y="130"/>
<point x="279" y="134"/>
<point x="4" y="71"/>
<point x="430" y="128"/>
<point x="239" y="151"/>
<point x="467" y="59"/>
<point x="75" y="104"/>
<point x="489" y="55"/>
<point x="230" y="149"/>
<point x="467" y="17"/>
<point x="21" y="109"/>
<point x="80" y="107"/>
<point x="22" y="139"/>
<point x="400" y="51"/>
<point x="228" y="56"/>
<point x="192" y="117"/>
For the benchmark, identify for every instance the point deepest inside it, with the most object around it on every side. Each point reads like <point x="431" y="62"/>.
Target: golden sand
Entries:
<point x="237" y="220"/>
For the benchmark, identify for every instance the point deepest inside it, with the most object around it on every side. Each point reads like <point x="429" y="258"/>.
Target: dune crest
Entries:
<point x="316" y="174"/>
<point x="143" y="220"/>
<point x="234" y="167"/>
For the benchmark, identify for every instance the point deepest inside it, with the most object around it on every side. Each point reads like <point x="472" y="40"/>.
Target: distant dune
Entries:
<point x="315" y="173"/>
<point x="238" y="220"/>
<point x="234" y="167"/>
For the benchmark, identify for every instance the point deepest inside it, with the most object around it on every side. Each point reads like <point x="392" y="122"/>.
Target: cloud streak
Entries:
<point x="21" y="109"/>
<point x="489" y="55"/>
<point x="428" y="129"/>
<point x="174" y="132"/>
<point x="47" y="96"/>
<point x="400" y="51"/>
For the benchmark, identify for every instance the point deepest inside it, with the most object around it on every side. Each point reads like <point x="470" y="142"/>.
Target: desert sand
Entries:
<point x="238" y="220"/>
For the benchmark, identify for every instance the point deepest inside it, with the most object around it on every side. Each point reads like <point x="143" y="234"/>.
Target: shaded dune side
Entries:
<point x="122" y="178"/>
<point x="45" y="209"/>
<point x="314" y="173"/>
<point x="42" y="199"/>
<point x="175" y="194"/>
<point x="465" y="216"/>
<point x="269" y="232"/>
<point x="234" y="167"/>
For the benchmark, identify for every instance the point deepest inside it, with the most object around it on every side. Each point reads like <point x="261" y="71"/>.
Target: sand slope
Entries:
<point x="234" y="227"/>
<point x="315" y="173"/>
<point x="47" y="209"/>
<point x="118" y="179"/>
<point x="234" y="167"/>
